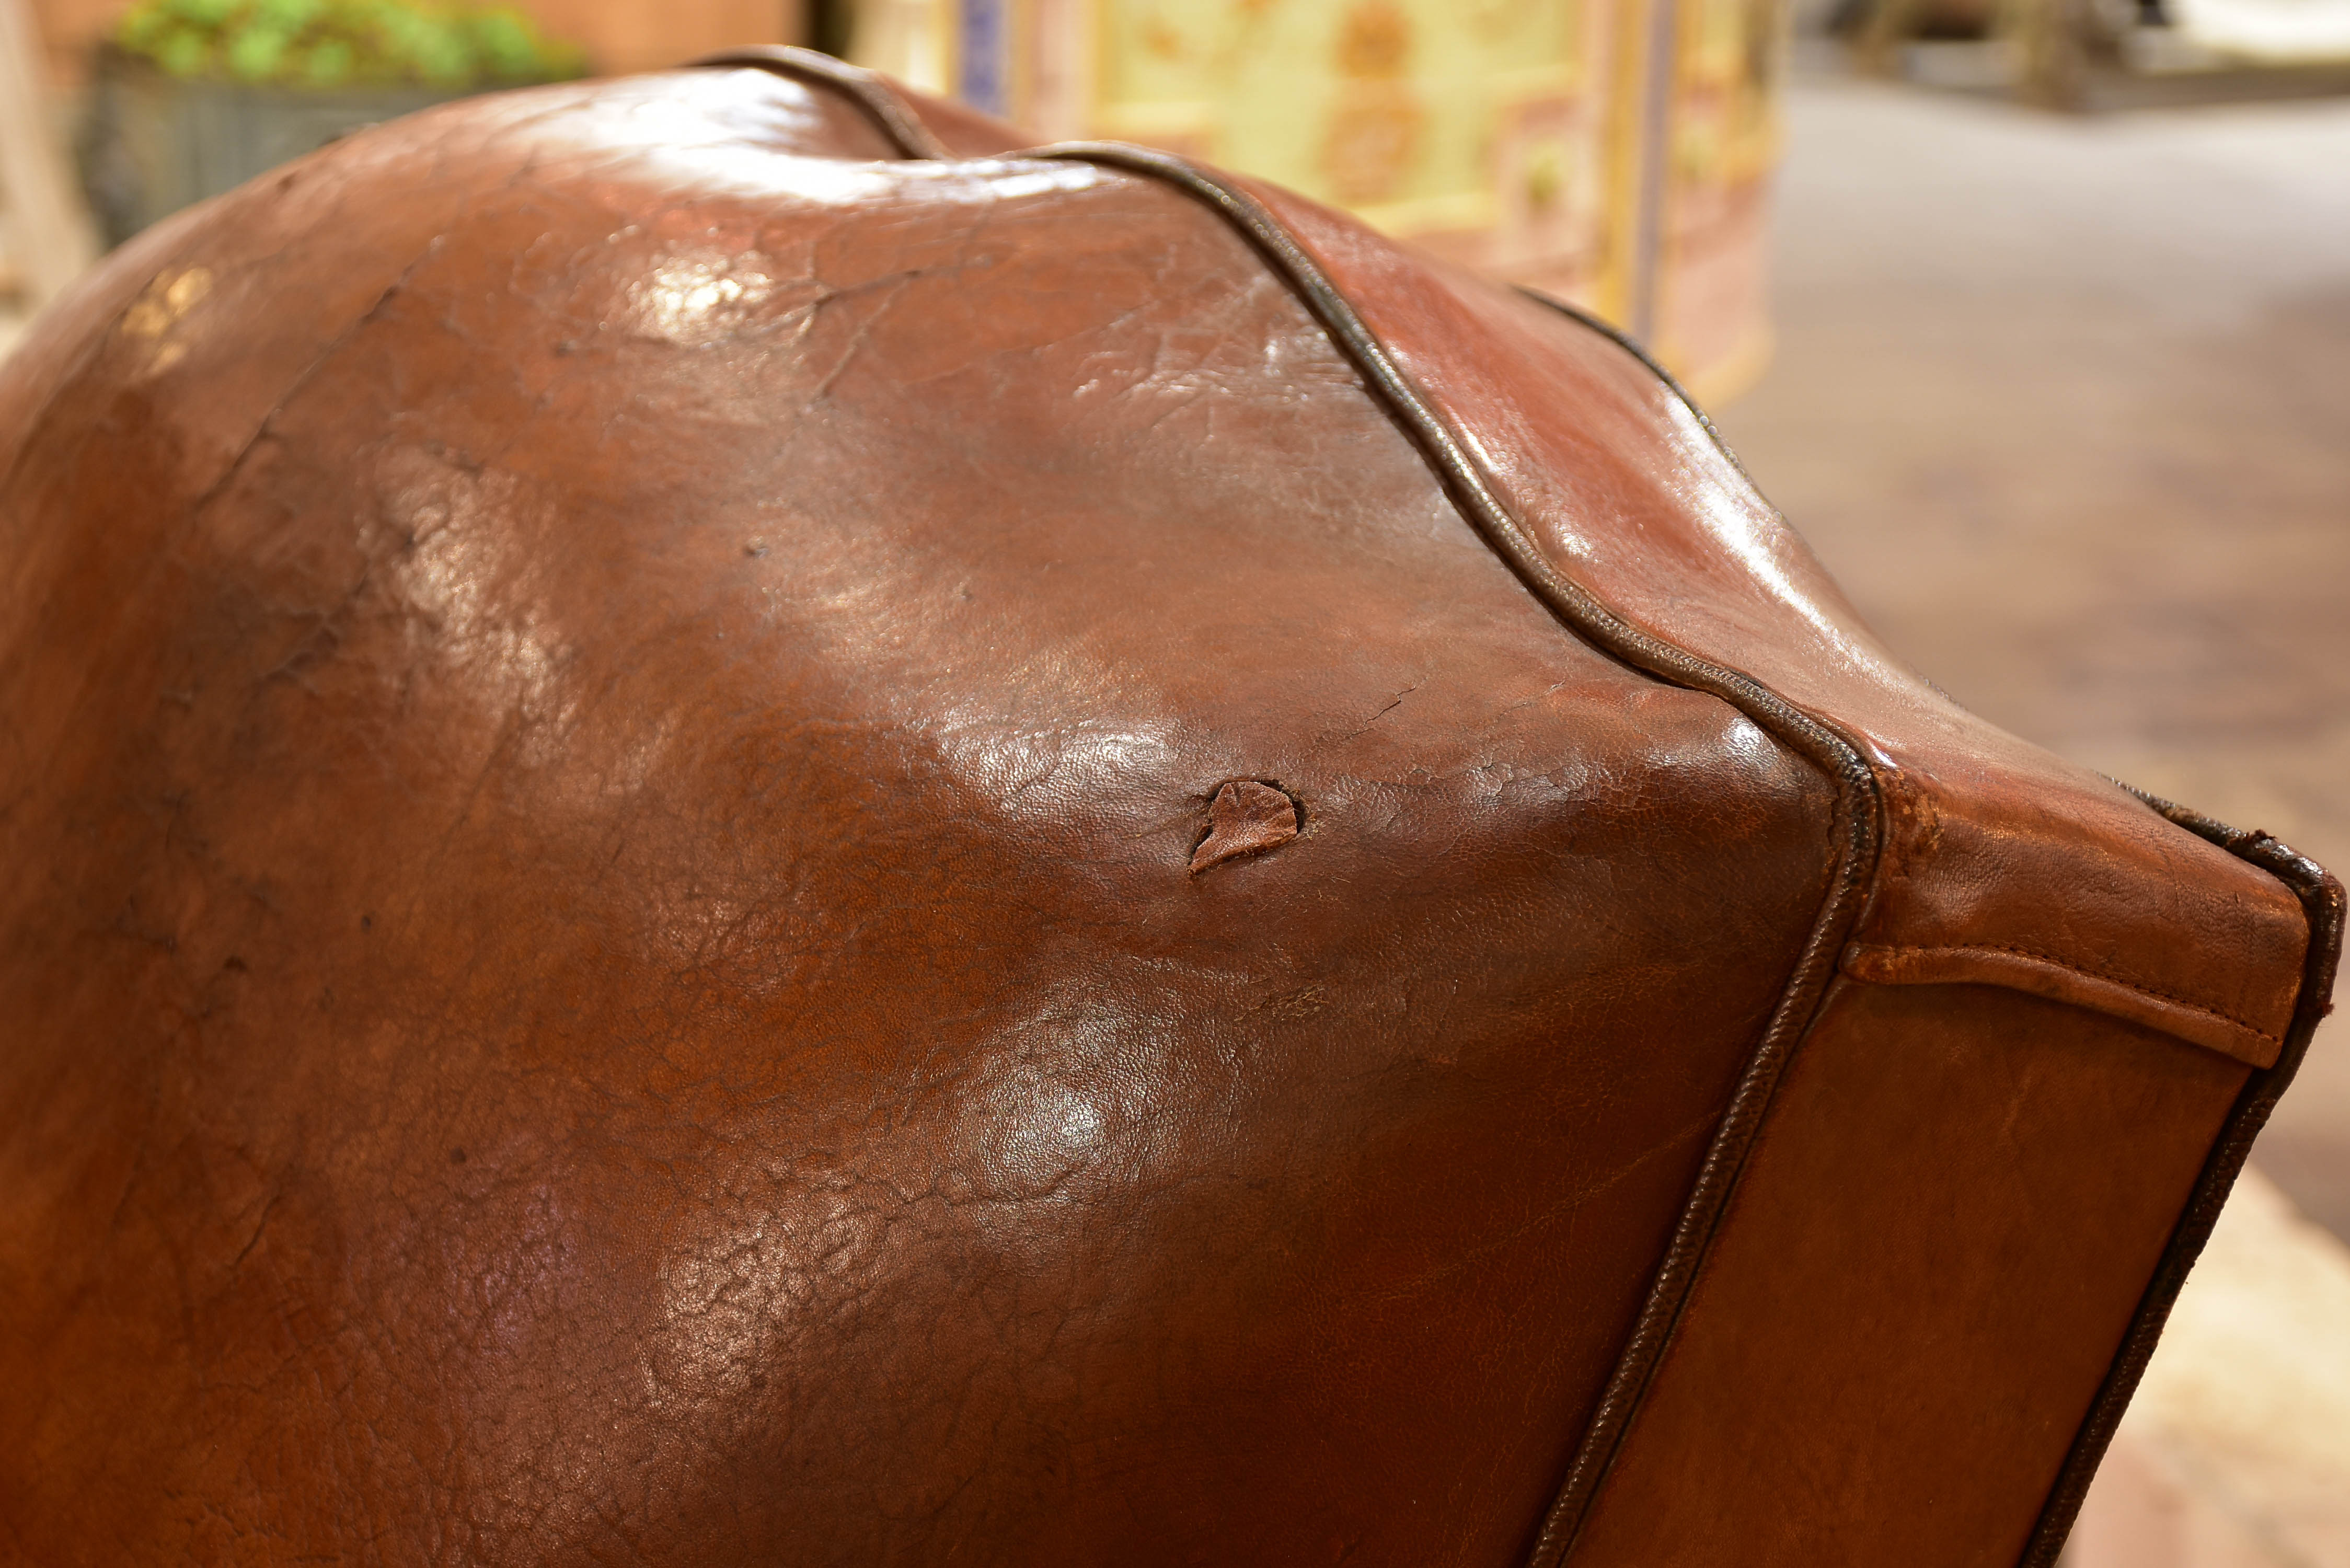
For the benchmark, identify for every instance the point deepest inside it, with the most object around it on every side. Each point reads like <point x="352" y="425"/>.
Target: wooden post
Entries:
<point x="47" y="233"/>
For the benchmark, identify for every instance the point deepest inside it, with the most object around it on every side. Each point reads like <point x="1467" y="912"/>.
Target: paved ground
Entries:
<point x="2066" y="405"/>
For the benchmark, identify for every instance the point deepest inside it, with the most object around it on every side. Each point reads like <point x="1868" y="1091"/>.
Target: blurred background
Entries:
<point x="2033" y="315"/>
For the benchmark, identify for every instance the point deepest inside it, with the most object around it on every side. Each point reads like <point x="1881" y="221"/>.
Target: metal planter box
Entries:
<point x="156" y="143"/>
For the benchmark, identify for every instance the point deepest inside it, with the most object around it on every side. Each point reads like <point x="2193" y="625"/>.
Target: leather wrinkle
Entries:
<point x="327" y="352"/>
<point x="194" y="510"/>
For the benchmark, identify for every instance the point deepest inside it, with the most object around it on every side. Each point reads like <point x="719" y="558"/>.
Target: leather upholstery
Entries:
<point x="742" y="837"/>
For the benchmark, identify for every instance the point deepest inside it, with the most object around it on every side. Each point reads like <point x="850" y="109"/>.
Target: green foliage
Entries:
<point x="330" y="44"/>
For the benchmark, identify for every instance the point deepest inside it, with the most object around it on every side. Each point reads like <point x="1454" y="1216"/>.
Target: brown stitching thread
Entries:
<point x="2245" y="1025"/>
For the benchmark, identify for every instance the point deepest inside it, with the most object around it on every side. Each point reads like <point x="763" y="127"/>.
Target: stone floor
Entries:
<point x="2065" y="404"/>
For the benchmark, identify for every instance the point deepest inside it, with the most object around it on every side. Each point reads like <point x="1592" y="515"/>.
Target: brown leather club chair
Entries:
<point x="738" y="835"/>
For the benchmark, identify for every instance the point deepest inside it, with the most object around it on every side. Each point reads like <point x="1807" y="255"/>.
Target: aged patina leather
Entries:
<point x="736" y="835"/>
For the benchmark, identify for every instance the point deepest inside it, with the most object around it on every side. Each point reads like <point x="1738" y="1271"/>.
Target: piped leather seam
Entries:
<point x="1867" y="950"/>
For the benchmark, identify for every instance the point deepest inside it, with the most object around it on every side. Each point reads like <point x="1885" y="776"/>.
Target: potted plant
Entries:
<point x="192" y="97"/>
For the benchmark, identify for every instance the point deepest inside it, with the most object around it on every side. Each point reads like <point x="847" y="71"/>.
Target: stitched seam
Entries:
<point x="2054" y="962"/>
